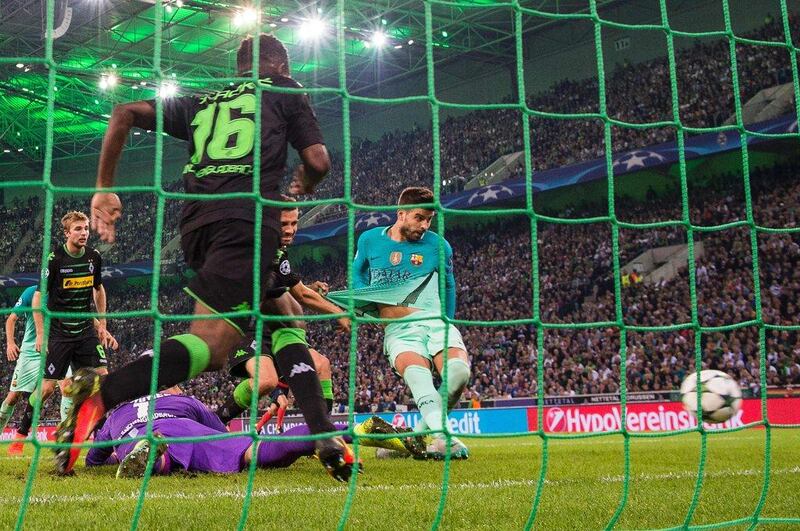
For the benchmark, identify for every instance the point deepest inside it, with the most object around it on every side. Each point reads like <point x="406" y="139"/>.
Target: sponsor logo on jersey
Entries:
<point x="416" y="259"/>
<point x="299" y="368"/>
<point x="285" y="268"/>
<point x="77" y="282"/>
<point x="395" y="257"/>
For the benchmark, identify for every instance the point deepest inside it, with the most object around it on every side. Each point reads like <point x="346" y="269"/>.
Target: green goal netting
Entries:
<point x="436" y="105"/>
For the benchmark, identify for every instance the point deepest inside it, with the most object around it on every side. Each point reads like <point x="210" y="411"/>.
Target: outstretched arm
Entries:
<point x="309" y="298"/>
<point x="106" y="207"/>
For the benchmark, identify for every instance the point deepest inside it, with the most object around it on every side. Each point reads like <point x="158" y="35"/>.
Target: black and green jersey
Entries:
<point x="285" y="278"/>
<point x="220" y="128"/>
<point x="70" y="283"/>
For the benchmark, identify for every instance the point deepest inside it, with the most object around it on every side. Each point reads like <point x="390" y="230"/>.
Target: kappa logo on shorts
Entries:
<point x="396" y="257"/>
<point x="299" y="368"/>
<point x="239" y="353"/>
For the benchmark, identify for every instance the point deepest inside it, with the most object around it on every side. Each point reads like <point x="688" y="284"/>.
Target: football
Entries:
<point x="720" y="398"/>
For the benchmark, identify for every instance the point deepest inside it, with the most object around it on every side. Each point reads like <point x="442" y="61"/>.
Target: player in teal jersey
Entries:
<point x="27" y="356"/>
<point x="395" y="275"/>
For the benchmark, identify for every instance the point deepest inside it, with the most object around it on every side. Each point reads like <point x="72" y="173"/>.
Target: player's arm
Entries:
<point x="38" y="319"/>
<point x="305" y="136"/>
<point x="308" y="298"/>
<point x="106" y="207"/>
<point x="316" y="165"/>
<point x="361" y="264"/>
<point x="12" y="350"/>
<point x="201" y="414"/>
<point x="105" y="455"/>
<point x="449" y="282"/>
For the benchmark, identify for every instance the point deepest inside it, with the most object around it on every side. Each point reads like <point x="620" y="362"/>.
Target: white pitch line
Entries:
<point x="280" y="491"/>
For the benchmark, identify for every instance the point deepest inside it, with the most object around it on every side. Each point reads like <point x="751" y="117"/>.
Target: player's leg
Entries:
<point x="458" y="373"/>
<point x="7" y="408"/>
<point x="283" y="404"/>
<point x="294" y="363"/>
<point x="323" y="366"/>
<point x="24" y="428"/>
<point x="66" y="401"/>
<point x="271" y="410"/>
<point x="280" y="454"/>
<point x="242" y="364"/>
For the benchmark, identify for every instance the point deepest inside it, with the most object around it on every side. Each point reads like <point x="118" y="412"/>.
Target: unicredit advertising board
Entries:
<point x="647" y="416"/>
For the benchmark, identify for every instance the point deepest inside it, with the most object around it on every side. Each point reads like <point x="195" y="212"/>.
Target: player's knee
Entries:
<point x="266" y="383"/>
<point x="457" y="373"/>
<point x="321" y="363"/>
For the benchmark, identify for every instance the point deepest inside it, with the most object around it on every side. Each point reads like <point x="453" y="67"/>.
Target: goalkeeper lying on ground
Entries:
<point x="176" y="415"/>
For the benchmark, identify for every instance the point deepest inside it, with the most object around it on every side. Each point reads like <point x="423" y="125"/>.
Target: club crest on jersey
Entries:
<point x="285" y="268"/>
<point x="91" y="266"/>
<point x="395" y="257"/>
<point x="416" y="259"/>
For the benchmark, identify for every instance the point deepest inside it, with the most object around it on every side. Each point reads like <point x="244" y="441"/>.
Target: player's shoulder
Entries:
<point x="285" y="82"/>
<point x="91" y="252"/>
<point x="371" y="234"/>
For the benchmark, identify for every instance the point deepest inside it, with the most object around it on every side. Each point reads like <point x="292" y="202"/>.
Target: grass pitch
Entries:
<point x="494" y="489"/>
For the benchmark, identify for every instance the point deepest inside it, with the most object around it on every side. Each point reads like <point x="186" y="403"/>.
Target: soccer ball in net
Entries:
<point x="721" y="396"/>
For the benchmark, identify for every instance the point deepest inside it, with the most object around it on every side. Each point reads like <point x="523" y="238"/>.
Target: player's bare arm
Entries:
<point x="310" y="298"/>
<point x="38" y="319"/>
<point x="107" y="207"/>
<point x="12" y="350"/>
<point x="316" y="165"/>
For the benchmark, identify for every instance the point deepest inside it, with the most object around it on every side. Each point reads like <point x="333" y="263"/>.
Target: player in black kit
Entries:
<point x="243" y="360"/>
<point x="74" y="281"/>
<point x="217" y="238"/>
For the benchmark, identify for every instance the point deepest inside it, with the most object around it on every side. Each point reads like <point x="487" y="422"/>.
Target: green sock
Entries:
<point x="327" y="388"/>
<point x="66" y="403"/>
<point x="420" y="382"/>
<point x="243" y="393"/>
<point x="6" y="410"/>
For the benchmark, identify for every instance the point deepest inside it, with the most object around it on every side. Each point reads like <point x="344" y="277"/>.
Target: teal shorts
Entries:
<point x="425" y="338"/>
<point x="26" y="373"/>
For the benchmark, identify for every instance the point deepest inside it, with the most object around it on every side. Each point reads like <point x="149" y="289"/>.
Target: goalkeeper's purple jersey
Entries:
<point x="130" y="419"/>
<point x="173" y="416"/>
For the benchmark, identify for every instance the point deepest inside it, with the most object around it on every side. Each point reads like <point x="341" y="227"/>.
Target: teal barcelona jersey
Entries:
<point x="22" y="309"/>
<point x="404" y="273"/>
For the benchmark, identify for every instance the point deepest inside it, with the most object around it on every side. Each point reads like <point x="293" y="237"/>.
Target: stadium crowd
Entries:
<point x="470" y="142"/>
<point x="493" y="269"/>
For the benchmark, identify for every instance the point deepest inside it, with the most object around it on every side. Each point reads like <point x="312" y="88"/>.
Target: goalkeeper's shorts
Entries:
<point x="426" y="338"/>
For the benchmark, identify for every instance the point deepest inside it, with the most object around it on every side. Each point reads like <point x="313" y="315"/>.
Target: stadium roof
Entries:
<point x="103" y="43"/>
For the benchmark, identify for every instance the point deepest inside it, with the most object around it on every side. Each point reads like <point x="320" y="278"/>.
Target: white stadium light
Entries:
<point x="168" y="90"/>
<point x="311" y="29"/>
<point x="378" y="39"/>
<point x="246" y="17"/>
<point x="107" y="81"/>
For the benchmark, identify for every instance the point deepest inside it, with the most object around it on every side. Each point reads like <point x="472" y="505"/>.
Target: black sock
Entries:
<point x="176" y="364"/>
<point x="229" y="410"/>
<point x="295" y="363"/>
<point x="24" y="427"/>
<point x="329" y="403"/>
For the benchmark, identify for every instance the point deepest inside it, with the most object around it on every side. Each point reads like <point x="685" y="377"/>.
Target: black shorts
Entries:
<point x="281" y="389"/>
<point x="237" y="360"/>
<point x="221" y="253"/>
<point x="85" y="351"/>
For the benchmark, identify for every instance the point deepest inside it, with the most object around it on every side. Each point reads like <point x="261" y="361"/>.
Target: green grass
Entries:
<point x="493" y="490"/>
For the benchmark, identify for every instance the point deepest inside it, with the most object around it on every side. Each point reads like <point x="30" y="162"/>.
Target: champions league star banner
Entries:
<point x="626" y="162"/>
<point x="134" y="269"/>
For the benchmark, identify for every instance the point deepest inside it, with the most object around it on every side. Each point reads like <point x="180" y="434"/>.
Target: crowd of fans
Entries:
<point x="469" y="143"/>
<point x="493" y="266"/>
<point x="576" y="280"/>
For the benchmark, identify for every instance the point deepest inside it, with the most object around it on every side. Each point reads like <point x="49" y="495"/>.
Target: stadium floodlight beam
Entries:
<point x="311" y="29"/>
<point x="108" y="81"/>
<point x="168" y="90"/>
<point x="378" y="39"/>
<point x="245" y="17"/>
